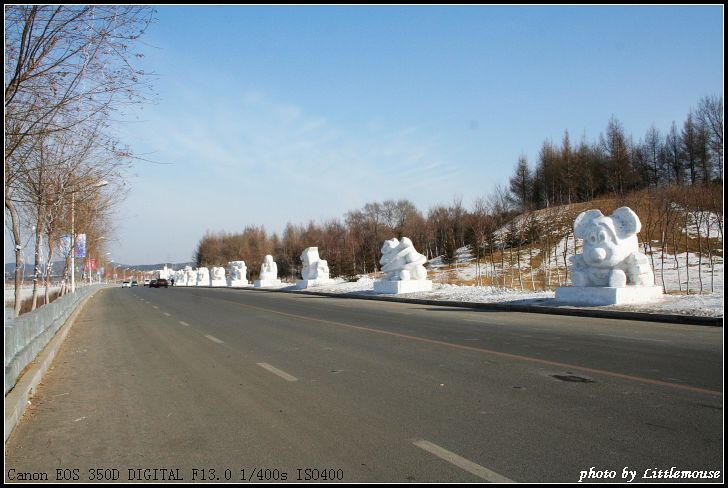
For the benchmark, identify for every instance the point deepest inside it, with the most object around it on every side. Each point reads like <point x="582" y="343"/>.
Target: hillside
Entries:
<point x="531" y="251"/>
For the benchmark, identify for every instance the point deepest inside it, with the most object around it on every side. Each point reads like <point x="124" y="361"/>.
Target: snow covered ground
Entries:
<point x="682" y="282"/>
<point x="706" y="305"/>
<point x="26" y="291"/>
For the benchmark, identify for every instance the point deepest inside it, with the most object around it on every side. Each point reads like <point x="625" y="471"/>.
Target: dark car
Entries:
<point x="134" y="283"/>
<point x="153" y="284"/>
<point x="162" y="283"/>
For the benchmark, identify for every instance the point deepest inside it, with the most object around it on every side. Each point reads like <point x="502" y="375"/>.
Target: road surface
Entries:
<point x="186" y="384"/>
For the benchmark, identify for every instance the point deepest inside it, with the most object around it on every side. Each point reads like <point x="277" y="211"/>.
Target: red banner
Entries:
<point x="92" y="264"/>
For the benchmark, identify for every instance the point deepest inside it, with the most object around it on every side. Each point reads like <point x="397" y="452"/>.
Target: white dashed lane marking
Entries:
<point x="277" y="372"/>
<point x="462" y="463"/>
<point x="215" y="339"/>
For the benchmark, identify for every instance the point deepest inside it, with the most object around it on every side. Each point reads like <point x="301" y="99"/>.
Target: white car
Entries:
<point x="146" y="282"/>
<point x="126" y="284"/>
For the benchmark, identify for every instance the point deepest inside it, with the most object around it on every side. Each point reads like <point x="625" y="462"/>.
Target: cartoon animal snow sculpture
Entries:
<point x="611" y="255"/>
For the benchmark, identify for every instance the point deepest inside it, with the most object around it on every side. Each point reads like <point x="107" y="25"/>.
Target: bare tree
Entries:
<point x="710" y="112"/>
<point x="521" y="184"/>
<point x="68" y="68"/>
<point x="66" y="64"/>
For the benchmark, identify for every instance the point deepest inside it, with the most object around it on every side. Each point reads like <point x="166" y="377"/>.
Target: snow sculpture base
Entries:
<point x="218" y="282"/>
<point x="235" y="283"/>
<point x="303" y="284"/>
<point x="264" y="283"/>
<point x="404" y="286"/>
<point x="604" y="295"/>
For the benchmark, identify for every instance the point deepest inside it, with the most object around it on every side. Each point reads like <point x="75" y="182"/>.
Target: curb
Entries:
<point x="505" y="307"/>
<point x="17" y="399"/>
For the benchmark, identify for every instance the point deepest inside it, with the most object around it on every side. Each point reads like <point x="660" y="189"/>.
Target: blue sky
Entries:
<point x="271" y="114"/>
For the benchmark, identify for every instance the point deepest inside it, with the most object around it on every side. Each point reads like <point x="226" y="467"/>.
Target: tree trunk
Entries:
<point x="687" y="253"/>
<point x="18" y="257"/>
<point x="675" y="251"/>
<point x="36" y="268"/>
<point x="698" y="221"/>
<point x="518" y="259"/>
<point x="49" y="270"/>
<point x="663" y="246"/>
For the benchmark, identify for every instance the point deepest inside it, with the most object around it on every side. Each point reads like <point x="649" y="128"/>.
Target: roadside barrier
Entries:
<point x="27" y="335"/>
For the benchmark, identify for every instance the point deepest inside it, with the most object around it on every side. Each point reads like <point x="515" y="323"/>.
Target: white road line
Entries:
<point x="278" y="372"/>
<point x="481" y="322"/>
<point x="165" y="313"/>
<point x="634" y="338"/>
<point x="184" y="323"/>
<point x="462" y="463"/>
<point x="214" y="339"/>
<point x="154" y="306"/>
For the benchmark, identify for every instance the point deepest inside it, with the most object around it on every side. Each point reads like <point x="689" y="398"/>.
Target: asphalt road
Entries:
<point x="213" y="384"/>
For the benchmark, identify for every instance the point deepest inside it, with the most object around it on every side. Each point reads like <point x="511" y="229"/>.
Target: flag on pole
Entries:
<point x="66" y="245"/>
<point x="81" y="246"/>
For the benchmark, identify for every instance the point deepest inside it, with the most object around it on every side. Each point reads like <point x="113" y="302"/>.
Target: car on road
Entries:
<point x="134" y="283"/>
<point x="146" y="282"/>
<point x="153" y="284"/>
<point x="126" y="284"/>
<point x="162" y="282"/>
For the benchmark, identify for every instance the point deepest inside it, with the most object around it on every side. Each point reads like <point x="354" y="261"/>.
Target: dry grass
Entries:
<point x="27" y="303"/>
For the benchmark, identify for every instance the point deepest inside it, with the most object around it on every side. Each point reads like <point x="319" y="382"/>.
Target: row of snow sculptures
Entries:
<point x="611" y="270"/>
<point x="203" y="277"/>
<point x="315" y="270"/>
<point x="185" y="277"/>
<point x="218" y="276"/>
<point x="268" y="273"/>
<point x="403" y="267"/>
<point x="238" y="272"/>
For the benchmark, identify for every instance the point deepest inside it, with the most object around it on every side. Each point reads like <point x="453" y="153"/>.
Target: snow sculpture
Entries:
<point x="315" y="270"/>
<point x="268" y="273"/>
<point x="190" y="276"/>
<point x="238" y="271"/>
<point x="611" y="269"/>
<point x="177" y="276"/>
<point x="203" y="276"/>
<point x="218" y="276"/>
<point x="403" y="268"/>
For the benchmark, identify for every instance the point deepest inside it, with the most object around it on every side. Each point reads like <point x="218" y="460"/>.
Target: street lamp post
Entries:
<point x="88" y="259"/>
<point x="108" y="261"/>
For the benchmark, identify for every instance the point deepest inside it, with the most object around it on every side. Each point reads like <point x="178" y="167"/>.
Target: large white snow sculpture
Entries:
<point x="218" y="276"/>
<point x="611" y="269"/>
<point x="178" y="276"/>
<point x="237" y="272"/>
<point x="268" y="273"/>
<point x="315" y="270"/>
<point x="181" y="280"/>
<point x="403" y="267"/>
<point x="203" y="276"/>
<point x="190" y="276"/>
